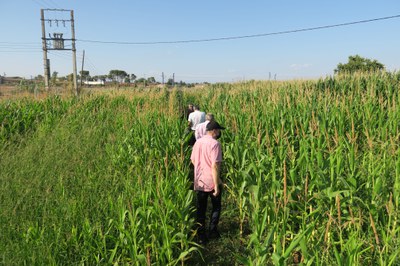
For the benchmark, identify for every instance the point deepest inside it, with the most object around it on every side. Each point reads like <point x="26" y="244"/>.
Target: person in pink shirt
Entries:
<point x="207" y="157"/>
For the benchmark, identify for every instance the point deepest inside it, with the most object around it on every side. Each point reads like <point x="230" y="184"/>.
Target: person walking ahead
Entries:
<point x="207" y="157"/>
<point x="201" y="128"/>
<point x="195" y="118"/>
<point x="187" y="111"/>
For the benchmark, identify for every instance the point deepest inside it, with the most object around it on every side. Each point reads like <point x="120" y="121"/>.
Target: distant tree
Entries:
<point x="170" y="82"/>
<point x="99" y="77"/>
<point x="103" y="78"/>
<point x="151" y="80"/>
<point x="359" y="64"/>
<point x="132" y="77"/>
<point x="70" y="77"/>
<point x="117" y="75"/>
<point x="54" y="76"/>
<point x="39" y="78"/>
<point x="141" y="80"/>
<point x="84" y="74"/>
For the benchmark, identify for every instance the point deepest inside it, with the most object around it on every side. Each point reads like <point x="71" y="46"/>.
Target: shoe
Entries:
<point x="214" y="234"/>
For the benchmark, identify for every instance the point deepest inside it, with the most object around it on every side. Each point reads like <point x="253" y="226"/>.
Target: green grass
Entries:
<point x="311" y="171"/>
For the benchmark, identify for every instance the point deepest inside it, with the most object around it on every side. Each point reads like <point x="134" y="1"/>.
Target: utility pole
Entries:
<point x="56" y="42"/>
<point x="45" y="61"/>
<point x="83" y="62"/>
<point x="74" y="52"/>
<point x="162" y="78"/>
<point x="173" y="79"/>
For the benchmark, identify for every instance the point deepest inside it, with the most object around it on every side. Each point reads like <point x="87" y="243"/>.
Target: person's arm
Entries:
<point x="189" y="121"/>
<point x="198" y="131"/>
<point x="216" y="179"/>
<point x="193" y="157"/>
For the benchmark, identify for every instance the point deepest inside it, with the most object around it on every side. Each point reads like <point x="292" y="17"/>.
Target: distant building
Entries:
<point x="94" y="83"/>
<point x="10" y="80"/>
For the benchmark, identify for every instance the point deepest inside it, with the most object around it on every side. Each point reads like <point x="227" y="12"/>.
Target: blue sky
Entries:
<point x="301" y="55"/>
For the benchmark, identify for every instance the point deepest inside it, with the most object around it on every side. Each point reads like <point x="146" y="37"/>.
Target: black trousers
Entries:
<point x="191" y="176"/>
<point x="202" y="199"/>
<point x="192" y="139"/>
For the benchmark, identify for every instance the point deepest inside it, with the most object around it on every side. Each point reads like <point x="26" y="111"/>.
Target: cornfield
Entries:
<point x="311" y="172"/>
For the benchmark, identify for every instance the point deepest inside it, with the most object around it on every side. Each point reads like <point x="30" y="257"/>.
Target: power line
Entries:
<point x="243" y="36"/>
<point x="19" y="43"/>
<point x="54" y="4"/>
<point x="92" y="65"/>
<point x="37" y="2"/>
<point x="41" y="4"/>
<point x="19" y="47"/>
<point x="20" y="51"/>
<point x="63" y="56"/>
<point x="45" y="4"/>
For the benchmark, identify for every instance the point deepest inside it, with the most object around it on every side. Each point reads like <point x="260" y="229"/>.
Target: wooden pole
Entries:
<point x="74" y="53"/>
<point x="83" y="62"/>
<point x="44" y="45"/>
